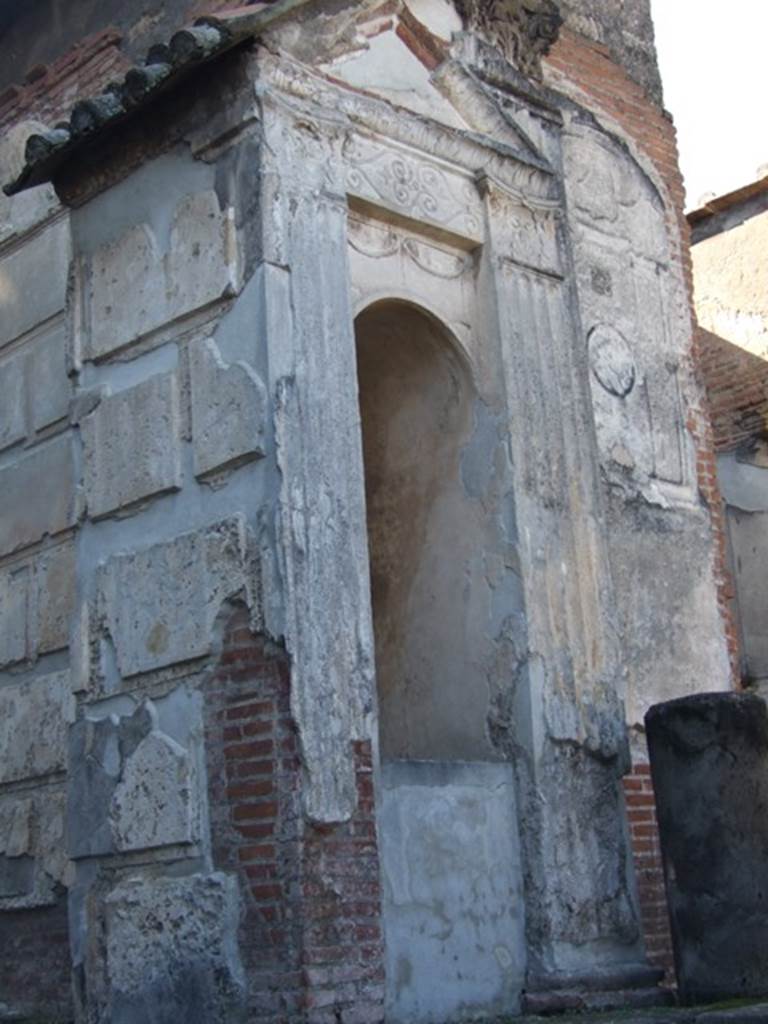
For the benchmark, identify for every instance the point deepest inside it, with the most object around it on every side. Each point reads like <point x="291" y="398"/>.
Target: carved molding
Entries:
<point x="525" y="30"/>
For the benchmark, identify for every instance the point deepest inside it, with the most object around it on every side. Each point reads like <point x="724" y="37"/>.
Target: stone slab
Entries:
<point x="452" y="897"/>
<point x="141" y="281"/>
<point x="55" y="588"/>
<point x="159" y="604"/>
<point x="33" y="281"/>
<point x="229" y="407"/>
<point x="39" y="495"/>
<point x="14" y="615"/>
<point x="709" y="760"/>
<point x="152" y="804"/>
<point x="132" y="445"/>
<point x="171" y="952"/>
<point x="12" y="414"/>
<point x="49" y="386"/>
<point x="34" y="718"/>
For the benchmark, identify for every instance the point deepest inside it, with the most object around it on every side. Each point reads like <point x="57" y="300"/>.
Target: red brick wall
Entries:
<point x="649" y="871"/>
<point x="51" y="90"/>
<point x="311" y="931"/>
<point x="737" y="391"/>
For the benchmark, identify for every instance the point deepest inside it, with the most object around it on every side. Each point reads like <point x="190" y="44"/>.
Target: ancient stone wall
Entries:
<point x="730" y="276"/>
<point x="186" y="639"/>
<point x="40" y="506"/>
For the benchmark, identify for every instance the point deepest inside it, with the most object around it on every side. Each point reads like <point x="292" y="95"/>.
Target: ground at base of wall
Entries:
<point x="733" y="1012"/>
<point x="736" y="1012"/>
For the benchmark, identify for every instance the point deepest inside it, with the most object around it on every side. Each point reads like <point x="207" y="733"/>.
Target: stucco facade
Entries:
<point x="351" y="340"/>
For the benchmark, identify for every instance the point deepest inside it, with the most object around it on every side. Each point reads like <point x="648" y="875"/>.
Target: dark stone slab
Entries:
<point x="709" y="761"/>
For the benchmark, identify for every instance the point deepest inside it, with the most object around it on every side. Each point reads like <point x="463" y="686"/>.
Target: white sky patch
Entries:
<point x="714" y="66"/>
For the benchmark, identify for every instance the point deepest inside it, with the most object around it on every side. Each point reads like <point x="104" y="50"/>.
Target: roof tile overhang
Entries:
<point x="165" y="66"/>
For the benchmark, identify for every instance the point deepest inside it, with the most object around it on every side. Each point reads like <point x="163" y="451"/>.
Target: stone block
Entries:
<point x="32" y="846"/>
<point x="136" y="285"/>
<point x="49" y="385"/>
<point x="202" y="261"/>
<point x="131" y="443"/>
<point x="709" y="760"/>
<point x="14" y="615"/>
<point x="12" y="414"/>
<point x="170" y="951"/>
<point x="33" y="281"/>
<point x="159" y="604"/>
<point x="229" y="407"/>
<point x="39" y="495"/>
<point x="34" y="718"/>
<point x="153" y="802"/>
<point x="55" y="586"/>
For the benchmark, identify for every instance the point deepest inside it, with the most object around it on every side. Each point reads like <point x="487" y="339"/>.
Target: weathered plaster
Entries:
<point x="453" y="902"/>
<point x="729" y="277"/>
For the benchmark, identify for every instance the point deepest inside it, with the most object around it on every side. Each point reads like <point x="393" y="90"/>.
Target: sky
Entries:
<point x="713" y="57"/>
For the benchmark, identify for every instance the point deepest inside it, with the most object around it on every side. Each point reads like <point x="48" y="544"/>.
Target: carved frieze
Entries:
<point x="525" y="30"/>
<point x="417" y="188"/>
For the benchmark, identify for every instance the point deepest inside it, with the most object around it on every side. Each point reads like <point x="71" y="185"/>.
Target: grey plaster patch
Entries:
<point x="229" y="406"/>
<point x="95" y="762"/>
<point x="14" y="615"/>
<point x="33" y="727"/>
<point x="132" y="445"/>
<point x="39" y="495"/>
<point x="453" y="900"/>
<point x="33" y="281"/>
<point x="476" y="465"/>
<point x="170" y="952"/>
<point x="16" y="875"/>
<point x="742" y="486"/>
<point x="159" y="604"/>
<point x="13" y="426"/>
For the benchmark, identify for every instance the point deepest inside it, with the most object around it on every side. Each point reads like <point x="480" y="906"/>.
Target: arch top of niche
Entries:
<point x="458" y="340"/>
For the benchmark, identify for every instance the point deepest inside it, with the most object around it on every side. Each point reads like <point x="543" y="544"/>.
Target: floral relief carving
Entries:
<point x="420" y="189"/>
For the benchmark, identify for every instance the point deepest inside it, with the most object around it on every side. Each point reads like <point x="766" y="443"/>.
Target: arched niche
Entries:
<point x="425" y="535"/>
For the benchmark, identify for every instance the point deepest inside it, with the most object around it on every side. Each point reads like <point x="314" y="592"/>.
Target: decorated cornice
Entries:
<point x="524" y="30"/>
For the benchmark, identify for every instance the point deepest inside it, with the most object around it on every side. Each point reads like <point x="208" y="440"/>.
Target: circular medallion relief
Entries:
<point x="611" y="360"/>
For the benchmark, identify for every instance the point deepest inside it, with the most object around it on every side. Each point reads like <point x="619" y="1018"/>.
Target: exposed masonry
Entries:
<point x="190" y="721"/>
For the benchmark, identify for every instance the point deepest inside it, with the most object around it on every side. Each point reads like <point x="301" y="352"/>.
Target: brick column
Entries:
<point x="310" y="933"/>
<point x="649" y="871"/>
